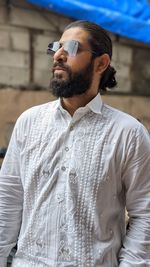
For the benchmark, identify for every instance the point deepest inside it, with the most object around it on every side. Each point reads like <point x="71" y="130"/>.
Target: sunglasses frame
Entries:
<point x="71" y="47"/>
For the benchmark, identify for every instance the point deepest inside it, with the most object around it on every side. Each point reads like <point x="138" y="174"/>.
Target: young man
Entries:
<point x="73" y="165"/>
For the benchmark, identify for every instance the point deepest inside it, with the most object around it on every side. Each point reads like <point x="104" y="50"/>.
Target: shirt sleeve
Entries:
<point x="135" y="251"/>
<point x="11" y="199"/>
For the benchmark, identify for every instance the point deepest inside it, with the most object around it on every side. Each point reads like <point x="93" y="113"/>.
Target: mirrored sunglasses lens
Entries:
<point x="71" y="47"/>
<point x="53" y="47"/>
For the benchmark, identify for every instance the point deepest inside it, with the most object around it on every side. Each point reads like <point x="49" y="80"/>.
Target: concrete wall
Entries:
<point x="25" y="32"/>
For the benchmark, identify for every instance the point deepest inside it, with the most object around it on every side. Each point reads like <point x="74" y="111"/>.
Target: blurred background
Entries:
<point x="26" y="28"/>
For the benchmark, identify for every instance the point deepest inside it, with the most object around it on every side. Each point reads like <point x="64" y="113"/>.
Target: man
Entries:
<point x="73" y="165"/>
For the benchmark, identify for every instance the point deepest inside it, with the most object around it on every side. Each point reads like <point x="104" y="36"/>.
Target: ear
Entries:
<point x="102" y="63"/>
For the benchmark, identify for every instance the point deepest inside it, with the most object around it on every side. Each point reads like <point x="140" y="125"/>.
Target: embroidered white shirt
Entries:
<point x="64" y="185"/>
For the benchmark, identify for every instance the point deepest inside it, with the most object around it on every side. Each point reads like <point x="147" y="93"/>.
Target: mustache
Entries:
<point x="61" y="65"/>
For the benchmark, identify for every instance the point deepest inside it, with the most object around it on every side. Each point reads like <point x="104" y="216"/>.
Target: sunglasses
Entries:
<point x="71" y="47"/>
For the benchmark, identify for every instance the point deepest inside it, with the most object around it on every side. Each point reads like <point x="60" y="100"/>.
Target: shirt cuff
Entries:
<point x="3" y="262"/>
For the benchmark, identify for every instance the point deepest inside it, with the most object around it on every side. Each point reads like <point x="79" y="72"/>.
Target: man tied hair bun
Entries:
<point x="108" y="79"/>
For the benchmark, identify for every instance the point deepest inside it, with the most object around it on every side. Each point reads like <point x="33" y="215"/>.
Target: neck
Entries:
<point x="71" y="104"/>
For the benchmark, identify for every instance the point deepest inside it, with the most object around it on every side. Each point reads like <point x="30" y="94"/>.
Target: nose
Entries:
<point x="60" y="55"/>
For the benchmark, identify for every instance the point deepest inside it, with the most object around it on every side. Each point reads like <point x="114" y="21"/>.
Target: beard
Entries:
<point x="76" y="84"/>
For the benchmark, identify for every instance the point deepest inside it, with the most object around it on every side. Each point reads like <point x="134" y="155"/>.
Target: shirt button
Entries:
<point x="67" y="148"/>
<point x="63" y="168"/>
<point x="71" y="127"/>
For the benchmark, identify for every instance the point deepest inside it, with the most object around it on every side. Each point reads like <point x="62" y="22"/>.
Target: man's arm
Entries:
<point x="11" y="199"/>
<point x="135" y="251"/>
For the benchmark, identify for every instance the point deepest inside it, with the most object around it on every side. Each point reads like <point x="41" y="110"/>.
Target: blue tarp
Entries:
<point x="129" y="18"/>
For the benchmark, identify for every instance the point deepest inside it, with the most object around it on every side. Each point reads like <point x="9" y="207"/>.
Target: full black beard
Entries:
<point x="76" y="84"/>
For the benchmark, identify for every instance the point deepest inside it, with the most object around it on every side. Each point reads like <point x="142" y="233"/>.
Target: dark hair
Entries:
<point x="100" y="43"/>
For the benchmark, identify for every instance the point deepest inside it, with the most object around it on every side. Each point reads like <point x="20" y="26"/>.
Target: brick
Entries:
<point x="14" y="38"/>
<point x="31" y="19"/>
<point x="59" y="22"/>
<point x="10" y="28"/>
<point x="43" y="20"/>
<point x="3" y="14"/>
<point x="4" y="39"/>
<point x="42" y="69"/>
<point x="24" y="4"/>
<point x="124" y="85"/>
<point x="41" y="42"/>
<point x="20" y="40"/>
<point x="122" y="69"/>
<point x="14" y="59"/>
<point x="14" y="76"/>
<point x="141" y="71"/>
<point x="42" y="61"/>
<point x="42" y="78"/>
<point x="122" y="53"/>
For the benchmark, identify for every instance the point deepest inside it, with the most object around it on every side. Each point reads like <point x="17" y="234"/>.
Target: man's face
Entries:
<point x="72" y="74"/>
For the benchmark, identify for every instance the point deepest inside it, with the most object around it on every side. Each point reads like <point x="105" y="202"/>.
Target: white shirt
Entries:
<point x="64" y="185"/>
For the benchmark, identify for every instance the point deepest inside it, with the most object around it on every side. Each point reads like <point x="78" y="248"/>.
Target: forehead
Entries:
<point x="77" y="34"/>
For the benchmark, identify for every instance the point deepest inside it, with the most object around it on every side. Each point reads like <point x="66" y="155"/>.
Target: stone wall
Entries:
<point x="25" y="32"/>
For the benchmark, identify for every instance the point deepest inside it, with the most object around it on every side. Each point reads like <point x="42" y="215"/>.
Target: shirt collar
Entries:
<point x="94" y="105"/>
